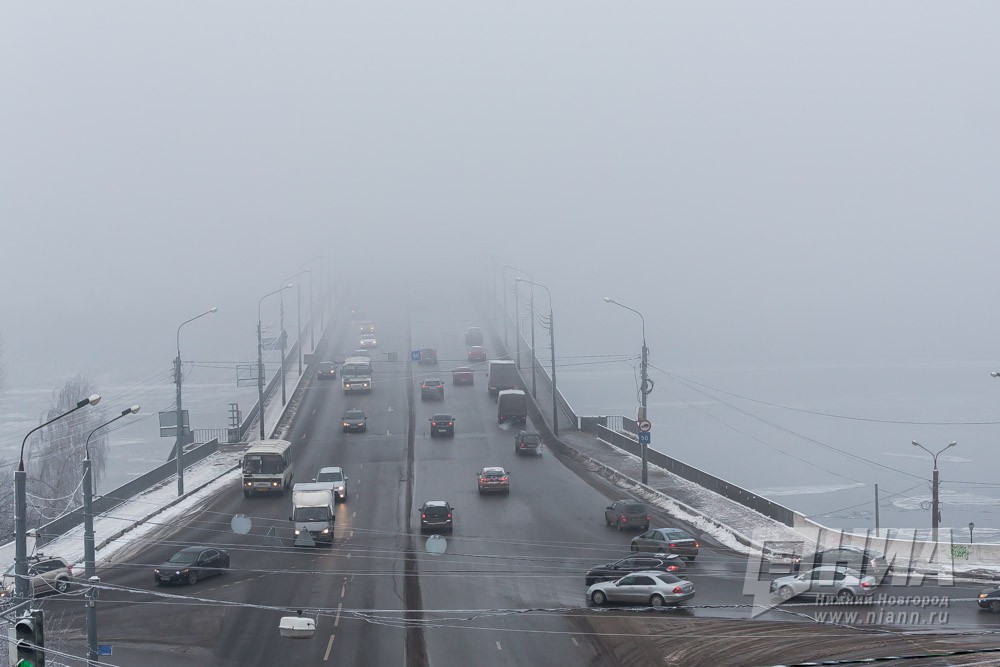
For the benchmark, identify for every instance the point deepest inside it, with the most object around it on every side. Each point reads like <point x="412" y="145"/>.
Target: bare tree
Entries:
<point x="56" y="456"/>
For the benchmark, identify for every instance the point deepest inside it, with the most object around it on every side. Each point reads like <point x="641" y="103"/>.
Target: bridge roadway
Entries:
<point x="508" y="554"/>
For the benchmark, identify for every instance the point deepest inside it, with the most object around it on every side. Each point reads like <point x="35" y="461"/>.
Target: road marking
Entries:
<point x="575" y="643"/>
<point x="336" y="621"/>
<point x="313" y="412"/>
<point x="348" y="555"/>
<point x="498" y="646"/>
<point x="329" y="645"/>
<point x="343" y="590"/>
<point x="352" y="533"/>
<point x="303" y="436"/>
<point x="362" y="466"/>
<point x="353" y="514"/>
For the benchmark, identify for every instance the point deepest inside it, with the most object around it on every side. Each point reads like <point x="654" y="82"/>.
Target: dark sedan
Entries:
<point x="635" y="563"/>
<point x="667" y="541"/>
<point x="355" y="421"/>
<point x="989" y="598"/>
<point x="190" y="564"/>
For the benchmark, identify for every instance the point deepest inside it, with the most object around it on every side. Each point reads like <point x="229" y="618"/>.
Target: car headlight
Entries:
<point x="274" y="484"/>
<point x="178" y="571"/>
<point x="983" y="595"/>
<point x="297" y="531"/>
<point x="326" y="531"/>
<point x="156" y="571"/>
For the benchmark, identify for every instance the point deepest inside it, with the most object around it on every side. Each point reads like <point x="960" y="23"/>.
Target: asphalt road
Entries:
<point x="507" y="589"/>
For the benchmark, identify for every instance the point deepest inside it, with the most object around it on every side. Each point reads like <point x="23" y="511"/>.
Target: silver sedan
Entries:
<point x="651" y="588"/>
<point x="827" y="581"/>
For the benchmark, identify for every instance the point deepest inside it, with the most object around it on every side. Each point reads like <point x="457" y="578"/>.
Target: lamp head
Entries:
<point x="134" y="409"/>
<point x="914" y="443"/>
<point x="952" y="444"/>
<point x="607" y="299"/>
<point x="213" y="309"/>
<point x="995" y="374"/>
<point x="94" y="399"/>
<point x="288" y="286"/>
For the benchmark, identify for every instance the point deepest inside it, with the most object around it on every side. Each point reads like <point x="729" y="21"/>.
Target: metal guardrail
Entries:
<point x="700" y="477"/>
<point x="115" y="497"/>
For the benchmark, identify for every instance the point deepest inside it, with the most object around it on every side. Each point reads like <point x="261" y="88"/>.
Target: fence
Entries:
<point x="720" y="486"/>
<point x="115" y="497"/>
<point x="227" y="435"/>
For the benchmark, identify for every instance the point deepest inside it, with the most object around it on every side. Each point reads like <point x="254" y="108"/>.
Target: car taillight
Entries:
<point x="504" y="478"/>
<point x="671" y="568"/>
<point x="451" y="423"/>
<point x="483" y="479"/>
<point x="678" y="589"/>
<point x="423" y="516"/>
<point x="697" y="546"/>
<point x="647" y="518"/>
<point x="624" y="518"/>
<point x="69" y="568"/>
<point x="434" y="423"/>
<point x="865" y="584"/>
<point x="449" y="515"/>
<point x="672" y="545"/>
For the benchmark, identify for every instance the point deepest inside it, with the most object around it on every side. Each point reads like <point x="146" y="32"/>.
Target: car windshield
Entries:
<point x="182" y="557"/>
<point x="311" y="514"/>
<point x="330" y="477"/>
<point x="262" y="464"/>
<point x="635" y="508"/>
<point x="354" y="414"/>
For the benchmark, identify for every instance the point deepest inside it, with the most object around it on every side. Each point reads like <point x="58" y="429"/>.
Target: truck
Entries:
<point x="502" y="375"/>
<point x="512" y="407"/>
<point x="313" y="512"/>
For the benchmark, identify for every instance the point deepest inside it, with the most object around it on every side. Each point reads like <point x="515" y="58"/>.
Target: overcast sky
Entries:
<point x="771" y="183"/>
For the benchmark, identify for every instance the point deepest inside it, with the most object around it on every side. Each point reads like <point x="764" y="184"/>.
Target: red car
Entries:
<point x="478" y="353"/>
<point x="462" y="375"/>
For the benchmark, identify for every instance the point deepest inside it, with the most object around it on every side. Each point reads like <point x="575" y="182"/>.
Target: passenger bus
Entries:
<point x="268" y="467"/>
<point x="356" y="375"/>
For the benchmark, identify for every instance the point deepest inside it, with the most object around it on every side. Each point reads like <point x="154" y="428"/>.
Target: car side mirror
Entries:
<point x="291" y="519"/>
<point x="609" y="507"/>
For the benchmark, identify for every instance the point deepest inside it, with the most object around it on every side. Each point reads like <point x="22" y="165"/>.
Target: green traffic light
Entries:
<point x="25" y="663"/>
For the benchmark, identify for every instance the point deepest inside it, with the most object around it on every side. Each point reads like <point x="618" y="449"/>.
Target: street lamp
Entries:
<point x="645" y="386"/>
<point x="493" y="288"/>
<point x="517" y="321"/>
<point x="971" y="526"/>
<point x="260" y="359"/>
<point x="935" y="512"/>
<point x="21" y="507"/>
<point x="298" y="314"/>
<point x="552" y="347"/>
<point x="181" y="438"/>
<point x="89" y="555"/>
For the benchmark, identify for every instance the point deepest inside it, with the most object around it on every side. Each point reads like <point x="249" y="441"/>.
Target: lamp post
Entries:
<point x="298" y="315"/>
<point x="552" y="348"/>
<point x="312" y="319"/>
<point x="21" y="507"/>
<point x="89" y="555"/>
<point x="260" y="360"/>
<point x="517" y="320"/>
<point x="971" y="526"/>
<point x="179" y="442"/>
<point x="493" y="287"/>
<point x="935" y="512"/>
<point x="645" y="386"/>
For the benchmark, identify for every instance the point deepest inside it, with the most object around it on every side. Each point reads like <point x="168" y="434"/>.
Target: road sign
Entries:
<point x="104" y="649"/>
<point x="644" y="438"/>
<point x="645" y="426"/>
<point x="414" y="355"/>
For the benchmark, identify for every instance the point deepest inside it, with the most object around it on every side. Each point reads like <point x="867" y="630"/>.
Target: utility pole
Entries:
<point x="555" y="391"/>
<point x="298" y="318"/>
<point x="312" y="319"/>
<point x="876" y="510"/>
<point x="534" y="390"/>
<point x="645" y="386"/>
<point x="935" y="506"/>
<point x="260" y="378"/>
<point x="283" y="339"/>
<point x="182" y="437"/>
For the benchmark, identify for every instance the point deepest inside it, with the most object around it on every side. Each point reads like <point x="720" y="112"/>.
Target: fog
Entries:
<point x="774" y="185"/>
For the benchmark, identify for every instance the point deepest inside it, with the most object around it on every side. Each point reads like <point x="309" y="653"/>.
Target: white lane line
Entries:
<point x="314" y="411"/>
<point x="348" y="555"/>
<point x="353" y="514"/>
<point x="336" y="621"/>
<point x="303" y="436"/>
<point x="575" y="643"/>
<point x="329" y="645"/>
<point x="498" y="646"/>
<point x="362" y="466"/>
<point x="352" y="534"/>
<point x="343" y="590"/>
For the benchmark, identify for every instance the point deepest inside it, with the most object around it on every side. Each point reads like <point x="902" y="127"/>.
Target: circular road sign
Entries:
<point x="645" y="426"/>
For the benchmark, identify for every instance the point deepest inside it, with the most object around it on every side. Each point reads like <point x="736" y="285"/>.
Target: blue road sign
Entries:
<point x="414" y="355"/>
<point x="104" y="649"/>
<point x="644" y="438"/>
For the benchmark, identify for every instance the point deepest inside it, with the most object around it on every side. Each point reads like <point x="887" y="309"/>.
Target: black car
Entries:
<point x="528" y="442"/>
<point x="989" y="598"/>
<point x="442" y="424"/>
<point x="190" y="564"/>
<point x="671" y="563"/>
<point x="437" y="515"/>
<point x="667" y="541"/>
<point x="326" y="370"/>
<point x="355" y="420"/>
<point x="432" y="388"/>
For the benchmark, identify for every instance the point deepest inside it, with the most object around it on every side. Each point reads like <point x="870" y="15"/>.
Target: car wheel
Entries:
<point x="246" y="494"/>
<point x="786" y="593"/>
<point x="62" y="585"/>
<point x="227" y="563"/>
<point x="432" y="435"/>
<point x="690" y="558"/>
<point x="656" y="601"/>
<point x="607" y="521"/>
<point x="506" y="492"/>
<point x="633" y="546"/>
<point x="845" y="596"/>
<point x="598" y="597"/>
<point x="193" y="577"/>
<point x="995" y="606"/>
<point x="644" y="528"/>
<point x="618" y="525"/>
<point x="451" y="529"/>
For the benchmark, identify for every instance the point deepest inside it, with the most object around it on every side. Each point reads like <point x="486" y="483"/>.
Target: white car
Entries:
<point x="835" y="581"/>
<point x="337" y="480"/>
<point x="652" y="587"/>
<point x="369" y="340"/>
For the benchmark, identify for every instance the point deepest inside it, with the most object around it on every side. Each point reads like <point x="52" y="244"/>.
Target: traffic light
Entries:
<point x="30" y="639"/>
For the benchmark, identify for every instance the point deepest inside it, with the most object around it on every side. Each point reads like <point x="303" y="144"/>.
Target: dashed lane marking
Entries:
<point x="314" y="411"/>
<point x="343" y="590"/>
<point x="575" y="643"/>
<point x="498" y="646"/>
<point x="336" y="621"/>
<point x="329" y="645"/>
<point x="353" y="514"/>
